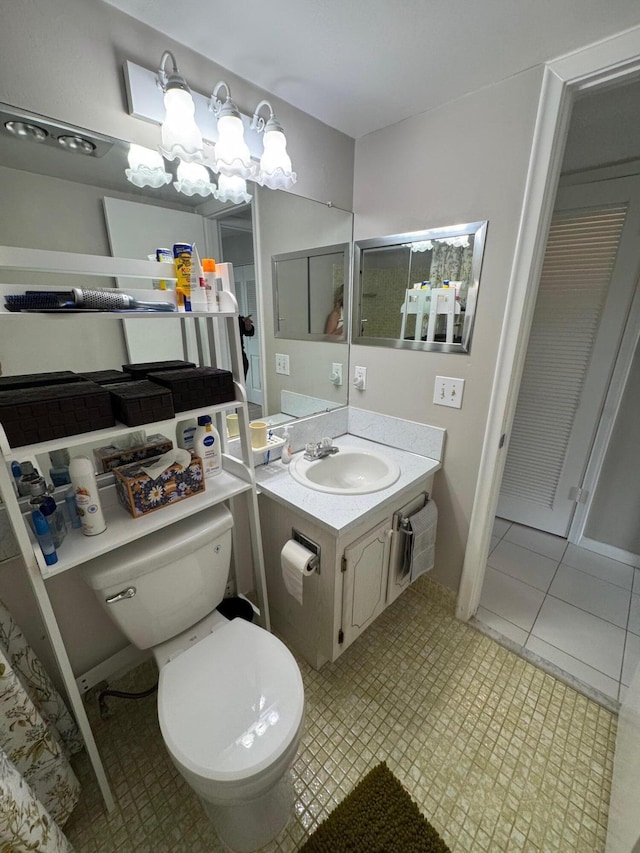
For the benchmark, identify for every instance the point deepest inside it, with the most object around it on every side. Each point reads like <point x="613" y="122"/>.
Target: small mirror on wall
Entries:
<point x="418" y="290"/>
<point x="309" y="293"/>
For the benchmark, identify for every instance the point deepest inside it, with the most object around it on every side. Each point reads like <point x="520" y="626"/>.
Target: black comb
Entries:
<point x="39" y="300"/>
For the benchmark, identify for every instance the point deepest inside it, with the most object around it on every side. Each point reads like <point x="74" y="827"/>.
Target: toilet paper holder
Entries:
<point x="310" y="545"/>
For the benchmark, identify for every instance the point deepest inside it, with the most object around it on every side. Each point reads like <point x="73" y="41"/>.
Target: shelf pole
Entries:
<point x="51" y="626"/>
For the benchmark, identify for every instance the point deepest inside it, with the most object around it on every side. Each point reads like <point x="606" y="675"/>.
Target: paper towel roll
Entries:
<point x="296" y="561"/>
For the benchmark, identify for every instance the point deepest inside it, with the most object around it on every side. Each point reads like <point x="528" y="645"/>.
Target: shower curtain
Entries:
<point x="38" y="788"/>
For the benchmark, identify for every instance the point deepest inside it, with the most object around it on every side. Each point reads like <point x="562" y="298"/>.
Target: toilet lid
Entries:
<point x="230" y="705"/>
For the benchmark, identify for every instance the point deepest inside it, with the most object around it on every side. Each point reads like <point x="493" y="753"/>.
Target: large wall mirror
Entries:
<point x="418" y="290"/>
<point x="55" y="199"/>
<point x="308" y="289"/>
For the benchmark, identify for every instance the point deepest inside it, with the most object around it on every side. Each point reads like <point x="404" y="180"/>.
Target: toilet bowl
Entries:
<point x="230" y="694"/>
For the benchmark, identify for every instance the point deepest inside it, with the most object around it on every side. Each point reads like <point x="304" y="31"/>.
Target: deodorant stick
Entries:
<point x="85" y="487"/>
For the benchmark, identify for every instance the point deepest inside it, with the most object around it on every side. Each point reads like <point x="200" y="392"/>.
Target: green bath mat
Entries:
<point x="378" y="816"/>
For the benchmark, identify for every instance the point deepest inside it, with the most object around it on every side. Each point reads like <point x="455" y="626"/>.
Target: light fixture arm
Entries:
<point x="173" y="80"/>
<point x="258" y="123"/>
<point x="222" y="108"/>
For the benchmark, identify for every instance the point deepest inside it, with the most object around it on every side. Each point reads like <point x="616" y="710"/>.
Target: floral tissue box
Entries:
<point x="139" y="494"/>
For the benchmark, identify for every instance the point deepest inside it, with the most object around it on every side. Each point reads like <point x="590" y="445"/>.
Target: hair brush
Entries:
<point x="111" y="299"/>
<point x="39" y="300"/>
<point x="80" y="298"/>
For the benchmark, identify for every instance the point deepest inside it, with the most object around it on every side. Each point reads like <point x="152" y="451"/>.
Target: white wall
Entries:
<point x="64" y="60"/>
<point x="463" y="162"/>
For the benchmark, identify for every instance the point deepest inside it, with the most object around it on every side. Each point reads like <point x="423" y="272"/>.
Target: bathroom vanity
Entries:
<point x="360" y="550"/>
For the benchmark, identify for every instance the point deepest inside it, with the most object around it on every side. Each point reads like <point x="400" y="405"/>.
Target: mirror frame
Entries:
<point x="476" y="229"/>
<point x="308" y="253"/>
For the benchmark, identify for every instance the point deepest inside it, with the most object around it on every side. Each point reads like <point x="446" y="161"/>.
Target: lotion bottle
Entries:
<point x="206" y="445"/>
<point x="287" y="453"/>
<point x="85" y="486"/>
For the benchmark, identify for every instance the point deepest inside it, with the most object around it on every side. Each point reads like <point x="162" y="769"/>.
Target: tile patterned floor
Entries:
<point x="574" y="608"/>
<point x="499" y="755"/>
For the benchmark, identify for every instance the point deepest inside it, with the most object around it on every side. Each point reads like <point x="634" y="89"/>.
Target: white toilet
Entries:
<point x="230" y="694"/>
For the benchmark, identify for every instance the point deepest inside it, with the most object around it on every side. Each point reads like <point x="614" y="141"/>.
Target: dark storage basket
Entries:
<point x="35" y="380"/>
<point x="141" y="402"/>
<point x="107" y="377"/>
<point x="197" y="387"/>
<point x="31" y="415"/>
<point x="142" y="370"/>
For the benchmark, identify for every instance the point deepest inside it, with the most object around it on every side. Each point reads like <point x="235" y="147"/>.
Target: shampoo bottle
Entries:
<point x="85" y="486"/>
<point x="206" y="445"/>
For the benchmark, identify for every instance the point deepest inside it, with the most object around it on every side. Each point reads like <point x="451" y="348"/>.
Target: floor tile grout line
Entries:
<point x="573" y="657"/>
<point x="597" y="577"/>
<point x="500" y="616"/>
<point x="588" y="612"/>
<point x="533" y="550"/>
<point x="531" y="586"/>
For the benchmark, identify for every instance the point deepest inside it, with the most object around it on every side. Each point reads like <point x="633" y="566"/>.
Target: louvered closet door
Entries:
<point x="588" y="276"/>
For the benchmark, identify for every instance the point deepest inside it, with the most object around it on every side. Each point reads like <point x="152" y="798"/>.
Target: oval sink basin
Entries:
<point x="348" y="472"/>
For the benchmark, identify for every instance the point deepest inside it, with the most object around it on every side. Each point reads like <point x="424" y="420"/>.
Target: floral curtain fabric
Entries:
<point x="38" y="788"/>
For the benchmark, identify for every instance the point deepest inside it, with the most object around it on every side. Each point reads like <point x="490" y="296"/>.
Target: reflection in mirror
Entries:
<point x="309" y="293"/>
<point x="418" y="290"/>
<point x="60" y="201"/>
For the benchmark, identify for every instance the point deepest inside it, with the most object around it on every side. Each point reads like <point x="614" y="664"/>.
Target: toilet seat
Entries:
<point x="231" y="705"/>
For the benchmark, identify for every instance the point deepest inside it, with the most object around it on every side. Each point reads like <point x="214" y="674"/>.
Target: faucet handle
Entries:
<point x="309" y="447"/>
<point x="326" y="442"/>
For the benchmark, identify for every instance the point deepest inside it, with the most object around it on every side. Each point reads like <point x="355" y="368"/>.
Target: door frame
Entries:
<point x="606" y="62"/>
<point x="613" y="401"/>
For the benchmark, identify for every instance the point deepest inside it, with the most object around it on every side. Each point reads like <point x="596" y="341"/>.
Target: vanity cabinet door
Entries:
<point x="365" y="566"/>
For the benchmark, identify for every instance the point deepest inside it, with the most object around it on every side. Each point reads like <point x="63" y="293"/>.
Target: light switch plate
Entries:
<point x="360" y="378"/>
<point x="448" y="392"/>
<point x="282" y="363"/>
<point x="336" y="373"/>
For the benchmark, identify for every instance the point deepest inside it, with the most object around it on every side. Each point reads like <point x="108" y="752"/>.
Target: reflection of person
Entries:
<point x="335" y="320"/>
<point x="246" y="331"/>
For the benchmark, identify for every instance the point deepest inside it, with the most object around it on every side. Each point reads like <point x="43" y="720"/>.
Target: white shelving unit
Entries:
<point x="237" y="477"/>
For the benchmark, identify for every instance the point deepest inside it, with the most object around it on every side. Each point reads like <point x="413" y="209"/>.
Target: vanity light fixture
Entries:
<point x="193" y="179"/>
<point x="181" y="137"/>
<point x="231" y="153"/>
<point x="232" y="188"/>
<point x="146" y="167"/>
<point x="275" y="170"/>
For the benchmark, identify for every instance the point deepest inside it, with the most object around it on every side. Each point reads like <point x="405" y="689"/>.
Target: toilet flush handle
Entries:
<point x="120" y="596"/>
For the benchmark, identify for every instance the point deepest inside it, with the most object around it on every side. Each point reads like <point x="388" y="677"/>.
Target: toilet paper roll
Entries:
<point x="296" y="561"/>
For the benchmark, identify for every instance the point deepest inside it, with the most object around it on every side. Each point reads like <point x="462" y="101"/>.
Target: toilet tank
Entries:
<point x="178" y="575"/>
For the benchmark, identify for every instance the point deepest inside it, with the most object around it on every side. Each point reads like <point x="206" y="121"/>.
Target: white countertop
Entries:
<point x="338" y="513"/>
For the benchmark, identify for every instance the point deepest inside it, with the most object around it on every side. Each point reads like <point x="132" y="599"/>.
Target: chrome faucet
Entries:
<point x="320" y="450"/>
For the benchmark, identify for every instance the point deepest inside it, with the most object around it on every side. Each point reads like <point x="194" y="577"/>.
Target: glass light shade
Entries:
<point x="181" y="137"/>
<point x="232" y="188"/>
<point x="275" y="164"/>
<point x="146" y="167"/>
<point x="231" y="153"/>
<point x="193" y="179"/>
